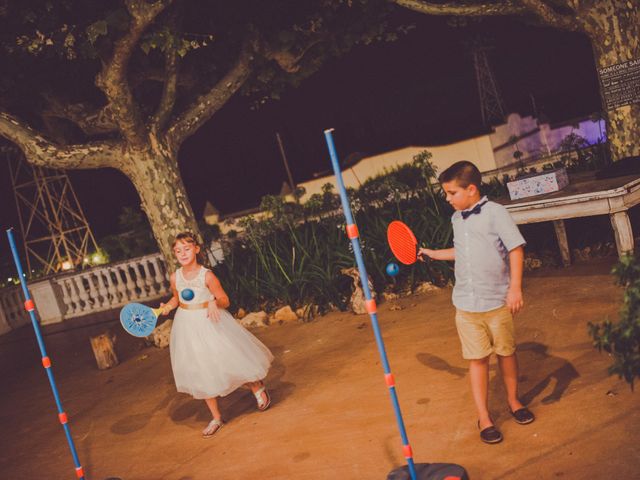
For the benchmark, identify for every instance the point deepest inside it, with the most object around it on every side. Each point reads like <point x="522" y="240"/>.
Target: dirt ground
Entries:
<point x="332" y="416"/>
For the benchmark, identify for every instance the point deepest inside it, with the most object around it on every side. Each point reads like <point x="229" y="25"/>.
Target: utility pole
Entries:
<point x="286" y="163"/>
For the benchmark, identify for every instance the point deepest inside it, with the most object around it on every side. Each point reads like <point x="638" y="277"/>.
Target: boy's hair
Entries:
<point x="187" y="237"/>
<point x="464" y="173"/>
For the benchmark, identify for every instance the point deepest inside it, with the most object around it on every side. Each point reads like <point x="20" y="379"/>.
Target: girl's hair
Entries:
<point x="187" y="237"/>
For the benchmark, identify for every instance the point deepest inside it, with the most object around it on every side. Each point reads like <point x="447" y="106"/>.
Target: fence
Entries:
<point x="76" y="294"/>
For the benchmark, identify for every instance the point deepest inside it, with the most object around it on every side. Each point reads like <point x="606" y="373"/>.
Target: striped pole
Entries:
<point x="352" y="233"/>
<point x="30" y="307"/>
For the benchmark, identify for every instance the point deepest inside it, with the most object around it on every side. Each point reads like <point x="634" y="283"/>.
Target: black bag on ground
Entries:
<point x="431" y="471"/>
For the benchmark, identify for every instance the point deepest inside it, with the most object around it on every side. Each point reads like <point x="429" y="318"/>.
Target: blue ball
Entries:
<point x="187" y="294"/>
<point x="392" y="269"/>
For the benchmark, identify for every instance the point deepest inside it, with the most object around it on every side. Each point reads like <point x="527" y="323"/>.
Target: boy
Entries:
<point x="488" y="253"/>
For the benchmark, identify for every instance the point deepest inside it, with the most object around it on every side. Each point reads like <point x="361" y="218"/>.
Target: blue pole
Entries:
<point x="46" y="361"/>
<point x="352" y="233"/>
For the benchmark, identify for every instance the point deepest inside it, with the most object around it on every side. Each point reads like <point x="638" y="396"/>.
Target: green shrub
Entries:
<point x="622" y="339"/>
<point x="296" y="253"/>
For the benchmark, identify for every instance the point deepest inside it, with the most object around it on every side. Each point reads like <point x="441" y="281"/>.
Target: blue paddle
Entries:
<point x="139" y="320"/>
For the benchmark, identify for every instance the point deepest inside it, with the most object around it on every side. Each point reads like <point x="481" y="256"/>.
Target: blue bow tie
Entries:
<point x="467" y="213"/>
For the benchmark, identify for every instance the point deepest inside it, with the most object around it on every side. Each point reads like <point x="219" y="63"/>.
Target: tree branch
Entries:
<point x="205" y="106"/>
<point x="169" y="89"/>
<point x="113" y="78"/>
<point x="91" y="120"/>
<point x="286" y="59"/>
<point x="543" y="11"/>
<point x="40" y="151"/>
<point x="506" y="7"/>
<point x="549" y="16"/>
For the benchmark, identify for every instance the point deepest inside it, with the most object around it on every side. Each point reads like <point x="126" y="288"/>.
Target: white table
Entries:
<point x="585" y="196"/>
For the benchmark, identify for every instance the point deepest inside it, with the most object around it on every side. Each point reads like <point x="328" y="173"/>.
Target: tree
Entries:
<point x="612" y="26"/>
<point x="90" y="84"/>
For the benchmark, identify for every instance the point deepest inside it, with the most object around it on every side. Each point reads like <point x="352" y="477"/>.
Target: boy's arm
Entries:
<point x="514" y="298"/>
<point x="443" y="254"/>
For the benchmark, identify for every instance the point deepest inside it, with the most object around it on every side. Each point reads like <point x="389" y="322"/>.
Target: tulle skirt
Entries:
<point x="211" y="359"/>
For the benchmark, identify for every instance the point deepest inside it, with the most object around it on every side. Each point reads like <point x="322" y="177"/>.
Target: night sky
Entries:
<point x="419" y="90"/>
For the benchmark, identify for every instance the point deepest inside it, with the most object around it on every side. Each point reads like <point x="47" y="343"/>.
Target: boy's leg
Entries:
<point x="479" y="376"/>
<point x="509" y="368"/>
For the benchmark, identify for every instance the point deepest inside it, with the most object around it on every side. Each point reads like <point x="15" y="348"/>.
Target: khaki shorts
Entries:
<point x="483" y="333"/>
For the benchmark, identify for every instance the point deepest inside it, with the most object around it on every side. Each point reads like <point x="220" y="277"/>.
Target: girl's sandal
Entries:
<point x="262" y="404"/>
<point x="211" y="429"/>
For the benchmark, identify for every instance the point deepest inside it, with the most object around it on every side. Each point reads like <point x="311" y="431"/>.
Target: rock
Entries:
<point x="357" y="301"/>
<point x="240" y="314"/>
<point x="161" y="334"/>
<point x="390" y="296"/>
<point x="395" y="306"/>
<point x="531" y="263"/>
<point x="286" y="314"/>
<point x="308" y="312"/>
<point x="255" y="319"/>
<point x="425" y="287"/>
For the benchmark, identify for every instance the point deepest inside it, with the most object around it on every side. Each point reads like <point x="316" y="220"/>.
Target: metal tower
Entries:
<point x="55" y="232"/>
<point x="491" y="103"/>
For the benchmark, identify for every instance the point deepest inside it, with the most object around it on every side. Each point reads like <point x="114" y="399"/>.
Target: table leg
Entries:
<point x="623" y="232"/>
<point x="563" y="243"/>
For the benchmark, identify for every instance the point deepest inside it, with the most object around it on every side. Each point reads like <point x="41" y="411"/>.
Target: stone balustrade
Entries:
<point x="12" y="312"/>
<point x="111" y="286"/>
<point x="75" y="294"/>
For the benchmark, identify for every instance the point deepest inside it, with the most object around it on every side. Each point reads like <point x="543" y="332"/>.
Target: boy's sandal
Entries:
<point x="523" y="416"/>
<point x="490" y="434"/>
<point x="211" y="429"/>
<point x="262" y="404"/>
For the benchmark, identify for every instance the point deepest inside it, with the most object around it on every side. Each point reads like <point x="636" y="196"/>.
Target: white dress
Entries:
<point x="209" y="358"/>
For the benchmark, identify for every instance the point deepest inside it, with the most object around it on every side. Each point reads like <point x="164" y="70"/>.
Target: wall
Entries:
<point x="477" y="150"/>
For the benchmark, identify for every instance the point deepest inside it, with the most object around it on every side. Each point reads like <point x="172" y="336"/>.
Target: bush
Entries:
<point x="622" y="339"/>
<point x="295" y="255"/>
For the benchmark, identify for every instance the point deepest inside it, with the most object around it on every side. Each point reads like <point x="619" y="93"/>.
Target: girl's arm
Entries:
<point x="514" y="299"/>
<point x="221" y="299"/>
<point x="173" y="301"/>
<point x="443" y="254"/>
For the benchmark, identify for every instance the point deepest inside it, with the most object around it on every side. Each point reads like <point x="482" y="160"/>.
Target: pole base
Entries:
<point x="431" y="471"/>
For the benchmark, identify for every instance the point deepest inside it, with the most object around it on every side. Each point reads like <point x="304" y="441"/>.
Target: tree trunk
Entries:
<point x="102" y="346"/>
<point x="157" y="179"/>
<point x="614" y="29"/>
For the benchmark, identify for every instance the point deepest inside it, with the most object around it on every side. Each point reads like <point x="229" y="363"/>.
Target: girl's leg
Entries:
<point x="212" y="403"/>
<point x="509" y="368"/>
<point x="257" y="385"/>
<point x="215" y="424"/>
<point x="479" y="375"/>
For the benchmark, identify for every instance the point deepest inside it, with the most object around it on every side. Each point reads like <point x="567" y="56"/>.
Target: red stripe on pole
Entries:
<point x="46" y="362"/>
<point x="451" y="478"/>
<point x="63" y="418"/>
<point x="406" y="450"/>
<point x="390" y="381"/>
<point x="79" y="472"/>
<point x="370" y="306"/>
<point x="352" y="231"/>
<point x="29" y="306"/>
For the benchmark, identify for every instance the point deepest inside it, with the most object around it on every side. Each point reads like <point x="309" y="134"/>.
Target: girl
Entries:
<point x="211" y="353"/>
